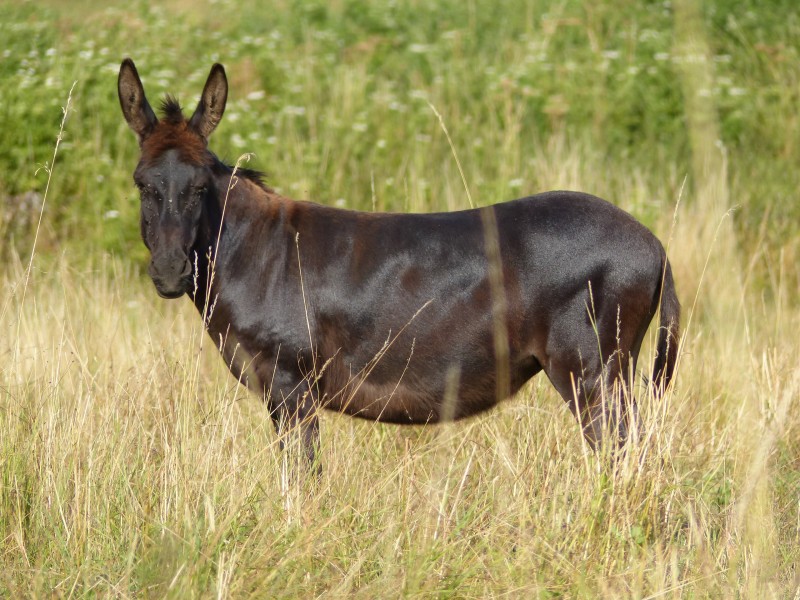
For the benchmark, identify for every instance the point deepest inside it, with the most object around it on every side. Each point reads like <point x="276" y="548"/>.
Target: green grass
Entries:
<point x="131" y="463"/>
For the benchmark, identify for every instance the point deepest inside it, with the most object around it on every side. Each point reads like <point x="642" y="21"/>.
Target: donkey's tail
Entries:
<point x="668" y="332"/>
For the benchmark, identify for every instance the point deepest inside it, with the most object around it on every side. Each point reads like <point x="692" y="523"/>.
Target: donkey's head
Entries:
<point x="173" y="175"/>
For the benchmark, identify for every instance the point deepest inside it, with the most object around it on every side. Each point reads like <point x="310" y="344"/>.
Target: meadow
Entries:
<point x="133" y="465"/>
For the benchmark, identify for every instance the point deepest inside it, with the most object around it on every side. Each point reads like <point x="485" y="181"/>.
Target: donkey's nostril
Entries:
<point x="187" y="269"/>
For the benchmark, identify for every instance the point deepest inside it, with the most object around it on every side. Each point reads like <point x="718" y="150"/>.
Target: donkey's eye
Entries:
<point x="149" y="196"/>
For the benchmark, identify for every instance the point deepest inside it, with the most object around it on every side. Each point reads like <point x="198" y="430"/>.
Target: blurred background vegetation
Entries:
<point x="332" y="99"/>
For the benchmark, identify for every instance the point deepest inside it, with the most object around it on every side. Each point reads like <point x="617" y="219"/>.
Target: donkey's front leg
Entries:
<point x="294" y="413"/>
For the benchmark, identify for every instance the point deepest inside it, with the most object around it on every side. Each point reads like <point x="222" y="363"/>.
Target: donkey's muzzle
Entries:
<point x="171" y="274"/>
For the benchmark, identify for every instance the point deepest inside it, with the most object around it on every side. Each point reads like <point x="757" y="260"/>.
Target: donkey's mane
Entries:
<point x="173" y="131"/>
<point x="171" y="109"/>
<point x="253" y="175"/>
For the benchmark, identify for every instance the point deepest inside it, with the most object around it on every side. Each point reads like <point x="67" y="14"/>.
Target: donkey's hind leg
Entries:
<point x="601" y="403"/>
<point x="589" y="366"/>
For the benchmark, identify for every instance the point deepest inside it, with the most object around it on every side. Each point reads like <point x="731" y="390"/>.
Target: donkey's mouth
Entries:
<point x="171" y="292"/>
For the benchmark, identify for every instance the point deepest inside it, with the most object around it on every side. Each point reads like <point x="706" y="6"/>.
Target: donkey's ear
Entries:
<point x="135" y="107"/>
<point x="212" y="103"/>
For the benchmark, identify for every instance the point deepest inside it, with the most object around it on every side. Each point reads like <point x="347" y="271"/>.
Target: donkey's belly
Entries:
<point x="456" y="397"/>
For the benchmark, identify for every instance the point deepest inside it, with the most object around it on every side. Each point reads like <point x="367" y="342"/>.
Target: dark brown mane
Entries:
<point x="173" y="132"/>
<point x="253" y="175"/>
<point x="171" y="109"/>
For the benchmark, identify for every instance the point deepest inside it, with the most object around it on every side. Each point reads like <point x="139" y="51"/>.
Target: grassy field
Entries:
<point x="133" y="465"/>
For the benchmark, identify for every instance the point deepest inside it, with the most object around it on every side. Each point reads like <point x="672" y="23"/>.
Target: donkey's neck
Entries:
<point x="246" y="231"/>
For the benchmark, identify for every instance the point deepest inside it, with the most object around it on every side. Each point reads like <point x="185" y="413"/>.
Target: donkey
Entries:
<point x="399" y="318"/>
